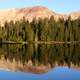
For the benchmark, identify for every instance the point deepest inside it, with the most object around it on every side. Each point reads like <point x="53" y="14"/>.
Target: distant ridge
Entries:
<point x="32" y="12"/>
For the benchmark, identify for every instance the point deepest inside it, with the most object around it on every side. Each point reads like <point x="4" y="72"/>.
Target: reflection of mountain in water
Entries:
<point x="38" y="58"/>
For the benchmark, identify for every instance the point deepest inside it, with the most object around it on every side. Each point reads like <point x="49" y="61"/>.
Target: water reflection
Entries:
<point x="40" y="58"/>
<point x="58" y="73"/>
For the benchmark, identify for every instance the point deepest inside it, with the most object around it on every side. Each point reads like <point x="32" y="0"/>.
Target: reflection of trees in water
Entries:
<point x="57" y="54"/>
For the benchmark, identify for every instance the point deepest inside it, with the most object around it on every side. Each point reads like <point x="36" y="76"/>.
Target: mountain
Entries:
<point x="32" y="12"/>
<point x="75" y="15"/>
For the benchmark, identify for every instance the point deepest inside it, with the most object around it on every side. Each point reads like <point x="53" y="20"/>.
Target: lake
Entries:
<point x="40" y="61"/>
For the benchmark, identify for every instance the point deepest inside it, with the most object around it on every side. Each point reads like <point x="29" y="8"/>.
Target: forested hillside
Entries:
<point x="41" y="30"/>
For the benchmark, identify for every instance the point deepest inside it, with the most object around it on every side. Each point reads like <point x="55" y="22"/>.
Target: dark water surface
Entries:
<point x="40" y="62"/>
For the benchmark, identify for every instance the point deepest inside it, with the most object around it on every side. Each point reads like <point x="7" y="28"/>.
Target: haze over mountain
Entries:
<point x="32" y="12"/>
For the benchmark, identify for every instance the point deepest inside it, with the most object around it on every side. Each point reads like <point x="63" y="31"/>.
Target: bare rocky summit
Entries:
<point x="32" y="12"/>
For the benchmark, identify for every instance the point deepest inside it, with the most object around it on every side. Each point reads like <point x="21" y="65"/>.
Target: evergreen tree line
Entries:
<point x="41" y="30"/>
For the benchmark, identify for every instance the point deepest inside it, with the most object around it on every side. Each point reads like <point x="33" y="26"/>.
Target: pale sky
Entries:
<point x="60" y="6"/>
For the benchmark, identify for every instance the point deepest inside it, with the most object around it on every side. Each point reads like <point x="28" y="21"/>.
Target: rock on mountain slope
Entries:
<point x="75" y="15"/>
<point x="31" y="12"/>
<point x="28" y="13"/>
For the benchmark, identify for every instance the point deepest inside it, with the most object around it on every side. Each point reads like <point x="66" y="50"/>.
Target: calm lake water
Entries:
<point x="59" y="73"/>
<point x="40" y="62"/>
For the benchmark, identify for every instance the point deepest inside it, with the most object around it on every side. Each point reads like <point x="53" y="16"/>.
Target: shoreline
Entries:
<point x="40" y="42"/>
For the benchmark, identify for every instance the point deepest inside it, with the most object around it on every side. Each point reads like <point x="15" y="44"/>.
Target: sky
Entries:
<point x="60" y="6"/>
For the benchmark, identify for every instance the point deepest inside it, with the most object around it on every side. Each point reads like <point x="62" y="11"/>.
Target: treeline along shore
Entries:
<point x="41" y="31"/>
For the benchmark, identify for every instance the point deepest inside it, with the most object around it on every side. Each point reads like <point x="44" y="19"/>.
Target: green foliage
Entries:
<point x="41" y="30"/>
<point x="42" y="54"/>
